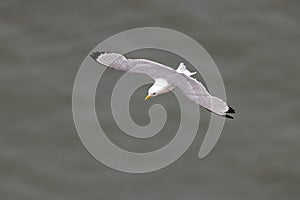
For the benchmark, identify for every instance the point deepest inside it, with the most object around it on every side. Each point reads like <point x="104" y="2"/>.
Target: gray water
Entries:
<point x="256" y="47"/>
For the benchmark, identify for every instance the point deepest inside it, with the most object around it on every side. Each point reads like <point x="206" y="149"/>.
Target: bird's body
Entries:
<point x="166" y="79"/>
<point x="160" y="86"/>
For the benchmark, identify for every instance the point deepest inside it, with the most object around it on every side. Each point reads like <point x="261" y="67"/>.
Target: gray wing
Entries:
<point x="195" y="91"/>
<point x="141" y="66"/>
<point x="190" y="87"/>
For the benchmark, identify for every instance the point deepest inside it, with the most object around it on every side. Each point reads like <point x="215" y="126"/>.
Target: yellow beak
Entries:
<point x="147" y="97"/>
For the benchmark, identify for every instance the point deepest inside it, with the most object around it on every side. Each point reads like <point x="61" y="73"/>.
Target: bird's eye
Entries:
<point x="154" y="93"/>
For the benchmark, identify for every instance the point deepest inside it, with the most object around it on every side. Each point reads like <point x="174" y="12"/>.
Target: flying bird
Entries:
<point x="166" y="79"/>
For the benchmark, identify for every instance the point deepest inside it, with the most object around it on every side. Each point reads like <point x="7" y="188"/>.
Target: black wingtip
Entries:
<point x="96" y="54"/>
<point x="228" y="116"/>
<point x="230" y="110"/>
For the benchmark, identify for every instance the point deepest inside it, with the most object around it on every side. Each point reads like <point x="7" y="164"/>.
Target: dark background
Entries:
<point x="256" y="47"/>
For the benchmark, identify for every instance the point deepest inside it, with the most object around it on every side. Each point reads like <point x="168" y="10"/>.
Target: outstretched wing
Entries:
<point x="195" y="91"/>
<point x="141" y="66"/>
<point x="190" y="87"/>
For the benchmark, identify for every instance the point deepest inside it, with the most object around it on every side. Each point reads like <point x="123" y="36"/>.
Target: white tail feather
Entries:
<point x="183" y="70"/>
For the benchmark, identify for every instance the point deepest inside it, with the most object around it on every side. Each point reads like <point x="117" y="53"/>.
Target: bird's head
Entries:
<point x="153" y="92"/>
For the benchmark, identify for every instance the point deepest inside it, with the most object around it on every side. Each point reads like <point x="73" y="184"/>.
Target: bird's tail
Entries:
<point x="183" y="70"/>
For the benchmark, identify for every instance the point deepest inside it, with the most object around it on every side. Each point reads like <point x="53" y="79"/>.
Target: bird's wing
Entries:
<point x="195" y="91"/>
<point x="190" y="87"/>
<point x="141" y="66"/>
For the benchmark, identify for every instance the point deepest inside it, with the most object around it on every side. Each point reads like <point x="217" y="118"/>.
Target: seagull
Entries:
<point x="166" y="79"/>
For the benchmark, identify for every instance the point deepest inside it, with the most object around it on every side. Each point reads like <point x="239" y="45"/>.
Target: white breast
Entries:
<point x="162" y="86"/>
